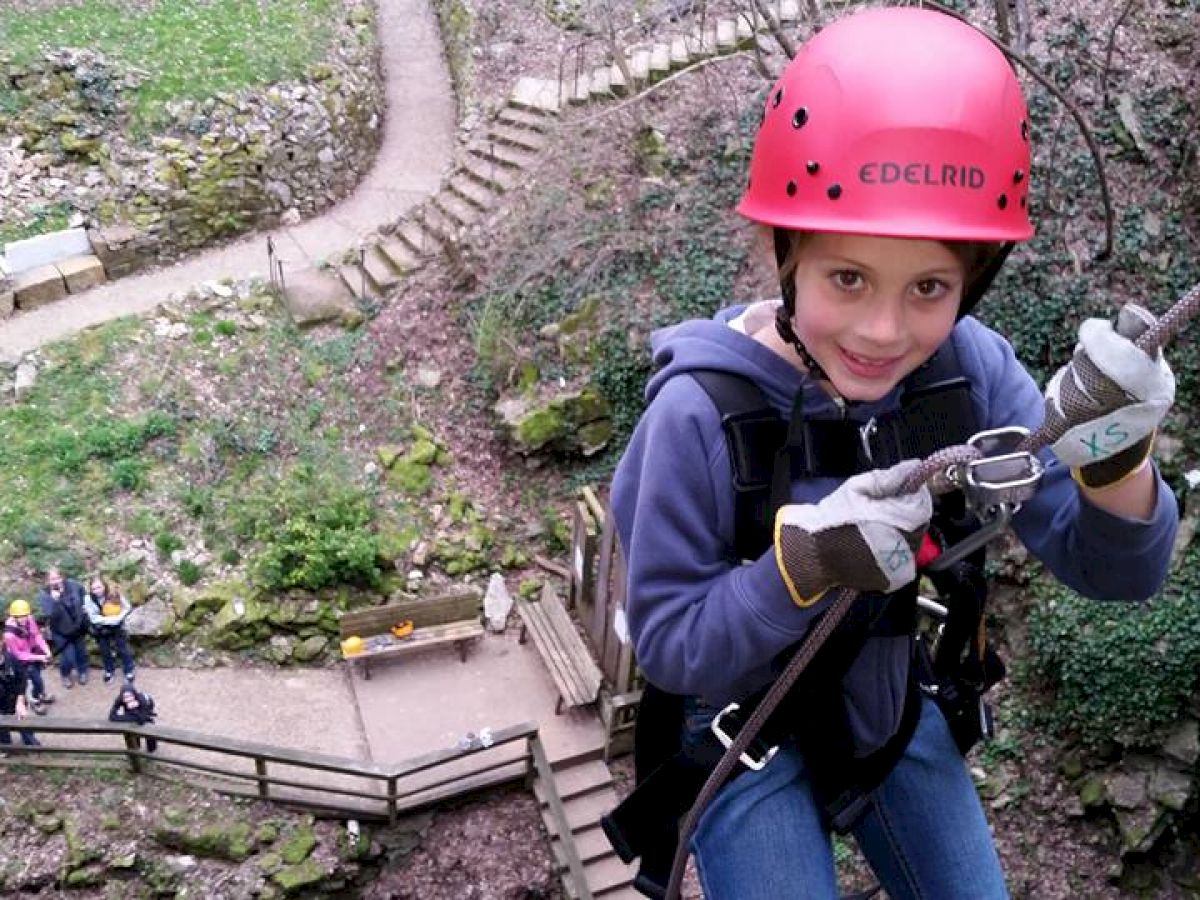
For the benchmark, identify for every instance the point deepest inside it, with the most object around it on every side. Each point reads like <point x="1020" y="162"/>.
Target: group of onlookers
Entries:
<point x="70" y="614"/>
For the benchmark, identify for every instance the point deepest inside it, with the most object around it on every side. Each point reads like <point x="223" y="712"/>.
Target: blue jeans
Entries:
<point x="72" y="654"/>
<point x="33" y="671"/>
<point x="924" y="832"/>
<point x="113" y="643"/>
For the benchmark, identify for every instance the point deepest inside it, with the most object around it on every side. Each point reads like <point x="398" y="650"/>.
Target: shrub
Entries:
<point x="316" y="530"/>
<point x="166" y="543"/>
<point x="1117" y="671"/>
<point x="189" y="573"/>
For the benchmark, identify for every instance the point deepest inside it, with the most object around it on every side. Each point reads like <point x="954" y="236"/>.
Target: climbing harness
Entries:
<point x="945" y="467"/>
<point x="995" y="472"/>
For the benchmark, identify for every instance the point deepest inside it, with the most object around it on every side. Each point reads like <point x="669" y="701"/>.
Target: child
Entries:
<point x="892" y="170"/>
<point x="132" y="705"/>
<point x="23" y="640"/>
<point x="106" y="611"/>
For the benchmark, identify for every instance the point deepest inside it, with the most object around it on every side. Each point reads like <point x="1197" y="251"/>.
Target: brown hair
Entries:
<point x="975" y="256"/>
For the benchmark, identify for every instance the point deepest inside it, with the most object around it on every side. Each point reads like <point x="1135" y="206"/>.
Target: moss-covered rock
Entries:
<point x="298" y="878"/>
<point x="575" y="421"/>
<point x="310" y="648"/>
<point x="298" y="845"/>
<point x="234" y="842"/>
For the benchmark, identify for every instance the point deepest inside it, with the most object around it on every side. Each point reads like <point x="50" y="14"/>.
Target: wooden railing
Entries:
<point x="347" y="785"/>
<point x="375" y="790"/>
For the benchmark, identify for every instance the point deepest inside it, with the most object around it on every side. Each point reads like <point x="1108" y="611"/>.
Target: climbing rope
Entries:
<point x="934" y="470"/>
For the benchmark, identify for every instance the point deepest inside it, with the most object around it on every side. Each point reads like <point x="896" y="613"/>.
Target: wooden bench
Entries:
<point x="575" y="673"/>
<point x="453" y="619"/>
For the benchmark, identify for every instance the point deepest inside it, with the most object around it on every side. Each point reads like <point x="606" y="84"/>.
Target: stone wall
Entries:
<point x="220" y="167"/>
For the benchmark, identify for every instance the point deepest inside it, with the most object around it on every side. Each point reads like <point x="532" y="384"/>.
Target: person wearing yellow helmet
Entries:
<point x="24" y="642"/>
<point x="107" y="610"/>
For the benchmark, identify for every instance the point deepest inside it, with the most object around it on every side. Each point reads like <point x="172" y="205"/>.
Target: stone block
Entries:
<point x="46" y="249"/>
<point x="81" y="272"/>
<point x="7" y="302"/>
<point x="37" y="287"/>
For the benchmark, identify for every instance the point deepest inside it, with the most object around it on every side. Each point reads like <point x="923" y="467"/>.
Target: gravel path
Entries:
<point x="418" y="142"/>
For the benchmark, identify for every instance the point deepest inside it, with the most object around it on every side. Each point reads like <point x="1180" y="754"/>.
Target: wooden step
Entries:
<point x="660" y="61"/>
<point x="582" y="779"/>
<point x="789" y="11"/>
<point x="579" y="88"/>
<point x="536" y="95"/>
<point x="585" y="810"/>
<point x="600" y="82"/>
<point x="472" y="190"/>
<point x="438" y="224"/>
<point x="590" y="844"/>
<point x="401" y="256"/>
<point x="603" y="875"/>
<point x="503" y="154"/>
<point x="745" y="24"/>
<point x="380" y="272"/>
<point x="417" y="237"/>
<point x="639" y="65"/>
<point x="523" y="118"/>
<point x="356" y="281"/>
<point x="489" y="172"/>
<point x="680" y="53"/>
<point x="524" y="139"/>
<point x="726" y="34"/>
<point x="616" y="81"/>
<point x="461" y="213"/>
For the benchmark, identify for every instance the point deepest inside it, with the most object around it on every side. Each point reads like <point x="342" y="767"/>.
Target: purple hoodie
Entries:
<point x="706" y="627"/>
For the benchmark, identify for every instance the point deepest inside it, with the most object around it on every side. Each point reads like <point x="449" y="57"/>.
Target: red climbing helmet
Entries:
<point x="899" y="122"/>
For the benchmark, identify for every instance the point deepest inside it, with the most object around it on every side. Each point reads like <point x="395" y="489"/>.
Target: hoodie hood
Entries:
<point x="714" y="344"/>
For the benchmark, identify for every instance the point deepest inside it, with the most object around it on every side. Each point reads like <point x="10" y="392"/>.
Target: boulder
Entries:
<point x="153" y="619"/>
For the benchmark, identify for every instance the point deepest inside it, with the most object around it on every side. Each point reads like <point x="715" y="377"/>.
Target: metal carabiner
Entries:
<point x="1004" y="476"/>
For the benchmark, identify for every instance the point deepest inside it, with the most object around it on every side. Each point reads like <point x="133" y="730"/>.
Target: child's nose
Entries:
<point x="884" y="321"/>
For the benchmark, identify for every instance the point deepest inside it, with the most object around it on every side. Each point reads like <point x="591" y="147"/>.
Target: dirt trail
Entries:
<point x="419" y="133"/>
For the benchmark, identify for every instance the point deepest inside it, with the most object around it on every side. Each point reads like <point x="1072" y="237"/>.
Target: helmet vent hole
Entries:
<point x="1018" y="176"/>
<point x="791" y="189"/>
<point x="813" y="167"/>
<point x="778" y="98"/>
<point x="1002" y="201"/>
<point x="800" y="119"/>
<point x="1022" y="203"/>
<point x="835" y="191"/>
<point x="1024" y="130"/>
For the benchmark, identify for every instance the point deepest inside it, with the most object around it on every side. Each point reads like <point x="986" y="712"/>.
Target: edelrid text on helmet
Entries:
<point x="897" y="122"/>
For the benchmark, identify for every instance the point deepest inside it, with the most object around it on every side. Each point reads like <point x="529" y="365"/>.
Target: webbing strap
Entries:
<point x="935" y="412"/>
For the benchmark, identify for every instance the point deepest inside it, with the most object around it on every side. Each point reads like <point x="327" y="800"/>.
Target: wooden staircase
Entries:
<point x="583" y="788"/>
<point x="494" y="163"/>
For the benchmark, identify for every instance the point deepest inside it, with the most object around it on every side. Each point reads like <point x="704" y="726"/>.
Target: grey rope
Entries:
<point x="933" y="469"/>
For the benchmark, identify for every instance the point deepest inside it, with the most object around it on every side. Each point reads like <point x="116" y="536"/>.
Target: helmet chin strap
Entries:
<point x="783" y="315"/>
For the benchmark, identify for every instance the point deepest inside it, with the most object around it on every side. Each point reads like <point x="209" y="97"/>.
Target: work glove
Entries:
<point x="1109" y="399"/>
<point x="864" y="536"/>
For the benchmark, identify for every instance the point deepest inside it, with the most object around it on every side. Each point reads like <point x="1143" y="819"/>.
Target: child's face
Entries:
<point x="872" y="309"/>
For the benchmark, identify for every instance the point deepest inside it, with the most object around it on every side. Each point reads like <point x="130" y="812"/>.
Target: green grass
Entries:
<point x="41" y="220"/>
<point x="187" y="48"/>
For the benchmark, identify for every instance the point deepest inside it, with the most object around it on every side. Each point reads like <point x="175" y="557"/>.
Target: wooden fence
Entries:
<point x="598" y="596"/>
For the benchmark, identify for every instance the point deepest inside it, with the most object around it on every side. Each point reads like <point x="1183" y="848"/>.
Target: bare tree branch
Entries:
<point x="1108" y="52"/>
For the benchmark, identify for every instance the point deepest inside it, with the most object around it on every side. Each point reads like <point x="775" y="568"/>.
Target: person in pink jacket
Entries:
<point x="24" y="642"/>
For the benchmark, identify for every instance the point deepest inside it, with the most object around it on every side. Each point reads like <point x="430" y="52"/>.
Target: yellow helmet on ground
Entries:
<point x="19" y="608"/>
<point x="110" y="609"/>
<point x="352" y="645"/>
<point x="403" y="629"/>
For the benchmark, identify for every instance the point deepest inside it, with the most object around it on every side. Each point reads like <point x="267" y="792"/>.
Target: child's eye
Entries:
<point x="847" y="279"/>
<point x="931" y="288"/>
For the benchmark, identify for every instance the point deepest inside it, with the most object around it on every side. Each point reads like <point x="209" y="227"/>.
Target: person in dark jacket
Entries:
<point x="12" y="697"/>
<point x="137" y="706"/>
<point x="61" y="601"/>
